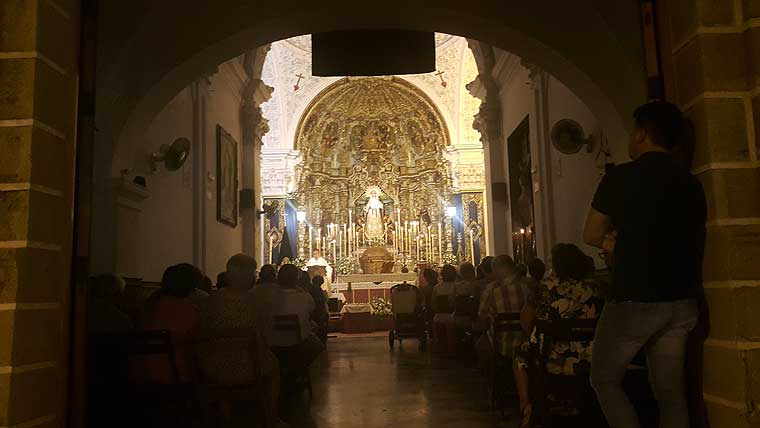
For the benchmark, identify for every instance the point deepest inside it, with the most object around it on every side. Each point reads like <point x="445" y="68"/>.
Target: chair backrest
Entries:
<point x="333" y="305"/>
<point x="121" y="348"/>
<point x="287" y="325"/>
<point x="404" y="299"/>
<point x="466" y="306"/>
<point x="568" y="330"/>
<point x="507" y="322"/>
<point x="443" y="305"/>
<point x="219" y="343"/>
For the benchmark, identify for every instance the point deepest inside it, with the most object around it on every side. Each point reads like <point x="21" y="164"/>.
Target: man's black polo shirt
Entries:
<point x="658" y="210"/>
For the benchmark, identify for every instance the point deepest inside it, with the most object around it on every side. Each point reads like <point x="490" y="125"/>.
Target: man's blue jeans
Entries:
<point x="662" y="329"/>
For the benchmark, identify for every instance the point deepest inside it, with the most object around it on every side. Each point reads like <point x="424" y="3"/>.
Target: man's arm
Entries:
<point x="597" y="228"/>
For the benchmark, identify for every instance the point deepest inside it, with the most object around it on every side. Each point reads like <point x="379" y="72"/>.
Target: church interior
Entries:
<point x="235" y="213"/>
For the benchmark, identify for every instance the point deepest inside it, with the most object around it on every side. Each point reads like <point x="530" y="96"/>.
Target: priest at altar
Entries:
<point x="317" y="260"/>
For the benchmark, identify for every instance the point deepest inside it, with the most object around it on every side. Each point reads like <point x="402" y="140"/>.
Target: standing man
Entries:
<point x="317" y="260"/>
<point x="650" y="215"/>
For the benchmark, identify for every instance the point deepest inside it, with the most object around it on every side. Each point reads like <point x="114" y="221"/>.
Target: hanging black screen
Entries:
<point x="372" y="53"/>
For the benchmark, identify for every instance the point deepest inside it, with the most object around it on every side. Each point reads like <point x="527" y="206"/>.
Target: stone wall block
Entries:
<point x="37" y="336"/>
<point x="31" y="155"/>
<point x="14" y="210"/>
<point x="683" y="23"/>
<point x="719" y="416"/>
<point x="18" y="21"/>
<point x="29" y="336"/>
<point x="32" y="216"/>
<point x="55" y="99"/>
<point x="751" y="9"/>
<point x="721" y="131"/>
<point x="56" y="36"/>
<point x="711" y="62"/>
<point x="725" y="373"/>
<point x="756" y="115"/>
<point x="747" y="316"/>
<point x="31" y="275"/>
<point x="752" y="41"/>
<point x="722" y="311"/>
<point x="732" y="193"/>
<point x="714" y="13"/>
<point x="17" y="88"/>
<point x="29" y="395"/>
<point x="7" y="319"/>
<point x="732" y="253"/>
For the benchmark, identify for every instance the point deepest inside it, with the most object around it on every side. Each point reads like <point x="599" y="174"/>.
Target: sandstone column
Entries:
<point x="39" y="45"/>
<point x="715" y="49"/>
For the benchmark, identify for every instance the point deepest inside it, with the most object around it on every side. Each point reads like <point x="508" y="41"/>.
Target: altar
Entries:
<point x="364" y="288"/>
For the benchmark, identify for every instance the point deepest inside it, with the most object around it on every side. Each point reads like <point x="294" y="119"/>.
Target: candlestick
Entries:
<point x="319" y="239"/>
<point x="472" y="246"/>
<point x="440" y="245"/>
<point x="271" y="249"/>
<point x="310" y="243"/>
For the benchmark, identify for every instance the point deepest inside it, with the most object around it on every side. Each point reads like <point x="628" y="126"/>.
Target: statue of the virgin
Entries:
<point x="374" y="228"/>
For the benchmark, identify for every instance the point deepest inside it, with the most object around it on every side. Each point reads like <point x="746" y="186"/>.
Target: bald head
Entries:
<point x="241" y="271"/>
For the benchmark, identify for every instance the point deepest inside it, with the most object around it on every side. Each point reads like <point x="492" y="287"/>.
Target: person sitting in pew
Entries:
<point x="567" y="293"/>
<point x="296" y="353"/>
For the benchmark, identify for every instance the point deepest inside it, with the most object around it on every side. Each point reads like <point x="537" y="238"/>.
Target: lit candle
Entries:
<point x="319" y="239"/>
<point x="440" y="246"/>
<point x="310" y="243"/>
<point x="408" y="236"/>
<point x="340" y="243"/>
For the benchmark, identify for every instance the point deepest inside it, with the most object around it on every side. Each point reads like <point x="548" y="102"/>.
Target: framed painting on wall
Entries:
<point x="226" y="178"/>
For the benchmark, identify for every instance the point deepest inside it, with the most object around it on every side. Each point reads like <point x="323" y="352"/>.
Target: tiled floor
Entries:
<point x="359" y="382"/>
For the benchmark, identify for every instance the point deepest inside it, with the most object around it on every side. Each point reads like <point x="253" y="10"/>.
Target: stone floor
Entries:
<point x="359" y="382"/>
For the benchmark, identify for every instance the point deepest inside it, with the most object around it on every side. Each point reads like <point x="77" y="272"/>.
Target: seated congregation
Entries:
<point x="186" y="354"/>
<point x="532" y="333"/>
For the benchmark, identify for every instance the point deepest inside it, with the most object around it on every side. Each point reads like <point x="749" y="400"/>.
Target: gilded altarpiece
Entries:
<point x="365" y="133"/>
<point x="474" y="238"/>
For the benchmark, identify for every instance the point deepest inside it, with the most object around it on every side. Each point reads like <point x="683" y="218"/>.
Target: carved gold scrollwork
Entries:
<point x="376" y="131"/>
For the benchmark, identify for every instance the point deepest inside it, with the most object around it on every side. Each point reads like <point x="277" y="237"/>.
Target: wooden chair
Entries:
<point x="572" y="388"/>
<point x="501" y="378"/>
<point x="124" y="352"/>
<point x="290" y="326"/>
<point x="211" y="392"/>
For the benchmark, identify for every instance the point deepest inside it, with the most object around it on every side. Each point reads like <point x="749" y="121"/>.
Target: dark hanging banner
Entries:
<point x="372" y="53"/>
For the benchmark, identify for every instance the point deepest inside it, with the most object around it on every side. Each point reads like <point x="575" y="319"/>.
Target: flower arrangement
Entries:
<point x="299" y="262"/>
<point x="346" y="266"/>
<point x="381" y="307"/>
<point x="450" y="259"/>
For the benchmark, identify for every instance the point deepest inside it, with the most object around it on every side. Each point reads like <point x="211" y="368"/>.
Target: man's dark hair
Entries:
<point x="504" y="261"/>
<point x="537" y="269"/>
<point x="317" y="281"/>
<point x="484" y="268"/>
<point x="431" y="277"/>
<point x="221" y="280"/>
<point x="448" y="273"/>
<point x="288" y="275"/>
<point x="180" y="280"/>
<point x="663" y="122"/>
<point x="570" y="262"/>
<point x="268" y="273"/>
<point x="467" y="270"/>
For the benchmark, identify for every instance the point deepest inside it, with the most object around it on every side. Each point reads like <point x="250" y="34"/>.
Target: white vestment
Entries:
<point x="322" y="262"/>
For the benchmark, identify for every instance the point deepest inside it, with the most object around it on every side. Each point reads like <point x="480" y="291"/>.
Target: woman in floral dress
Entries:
<point x="567" y="293"/>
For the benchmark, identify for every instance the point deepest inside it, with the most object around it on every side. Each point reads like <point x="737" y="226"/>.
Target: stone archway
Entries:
<point x="147" y="68"/>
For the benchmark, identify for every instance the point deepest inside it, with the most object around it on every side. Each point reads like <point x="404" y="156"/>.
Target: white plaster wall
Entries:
<point x="574" y="177"/>
<point x="161" y="233"/>
<point x="223" y="107"/>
